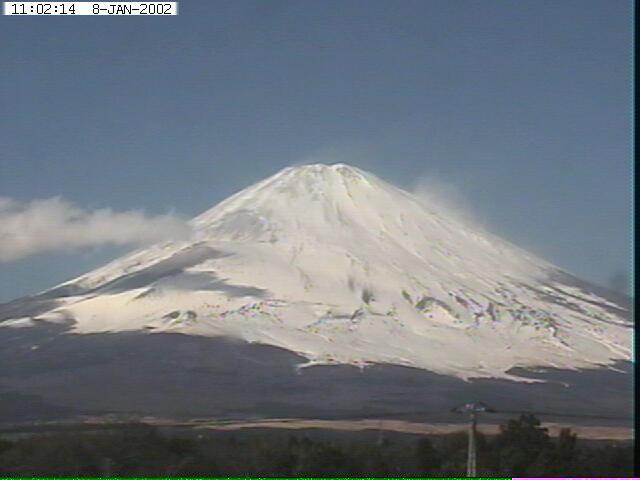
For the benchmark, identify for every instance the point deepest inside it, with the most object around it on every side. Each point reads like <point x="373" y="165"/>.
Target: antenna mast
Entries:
<point x="473" y="409"/>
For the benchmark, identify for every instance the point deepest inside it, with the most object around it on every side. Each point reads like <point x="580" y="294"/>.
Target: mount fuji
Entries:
<point x="341" y="267"/>
<point x="338" y="267"/>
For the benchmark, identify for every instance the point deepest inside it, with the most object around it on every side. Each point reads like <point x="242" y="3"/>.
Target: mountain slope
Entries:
<point x="334" y="264"/>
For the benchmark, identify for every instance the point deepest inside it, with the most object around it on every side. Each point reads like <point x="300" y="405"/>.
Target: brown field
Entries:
<point x="586" y="432"/>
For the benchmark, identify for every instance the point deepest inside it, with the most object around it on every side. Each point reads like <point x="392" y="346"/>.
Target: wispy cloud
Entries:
<point x="620" y="282"/>
<point x="445" y="197"/>
<point x="53" y="224"/>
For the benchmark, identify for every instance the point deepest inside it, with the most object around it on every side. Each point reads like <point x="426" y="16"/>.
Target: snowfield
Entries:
<point x="339" y="266"/>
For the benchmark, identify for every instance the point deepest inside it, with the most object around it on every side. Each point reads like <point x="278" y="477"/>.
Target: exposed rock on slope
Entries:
<point x="339" y="266"/>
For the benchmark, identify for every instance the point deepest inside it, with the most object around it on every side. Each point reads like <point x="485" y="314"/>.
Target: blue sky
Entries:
<point x="522" y="109"/>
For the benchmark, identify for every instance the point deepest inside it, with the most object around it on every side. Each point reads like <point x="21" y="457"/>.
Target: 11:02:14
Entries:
<point x="43" y="9"/>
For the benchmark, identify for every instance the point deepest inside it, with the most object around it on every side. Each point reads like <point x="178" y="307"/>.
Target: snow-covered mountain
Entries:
<point x="337" y="265"/>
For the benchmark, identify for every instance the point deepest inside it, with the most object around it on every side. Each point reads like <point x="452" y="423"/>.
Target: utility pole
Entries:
<point x="471" y="451"/>
<point x="473" y="409"/>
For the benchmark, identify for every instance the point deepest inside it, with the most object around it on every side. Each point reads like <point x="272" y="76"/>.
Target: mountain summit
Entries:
<point x="339" y="266"/>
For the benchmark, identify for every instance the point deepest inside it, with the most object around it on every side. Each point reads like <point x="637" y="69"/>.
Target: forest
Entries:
<point x="522" y="448"/>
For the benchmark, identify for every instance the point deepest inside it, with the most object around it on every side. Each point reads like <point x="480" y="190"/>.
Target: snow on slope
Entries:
<point x="335" y="264"/>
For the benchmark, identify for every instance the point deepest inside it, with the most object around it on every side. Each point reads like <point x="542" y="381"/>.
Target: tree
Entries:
<point x="520" y="443"/>
<point x="429" y="458"/>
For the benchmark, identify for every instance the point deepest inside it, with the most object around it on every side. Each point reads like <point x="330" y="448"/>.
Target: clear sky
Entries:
<point x="521" y="108"/>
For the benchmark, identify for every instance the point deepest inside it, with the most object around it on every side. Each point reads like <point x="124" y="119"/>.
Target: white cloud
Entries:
<point x="444" y="197"/>
<point x="50" y="225"/>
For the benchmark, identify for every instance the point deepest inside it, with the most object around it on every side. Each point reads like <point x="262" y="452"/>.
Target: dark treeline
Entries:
<point x="523" y="448"/>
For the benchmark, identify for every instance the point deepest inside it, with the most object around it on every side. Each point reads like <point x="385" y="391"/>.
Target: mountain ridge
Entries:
<point x="341" y="267"/>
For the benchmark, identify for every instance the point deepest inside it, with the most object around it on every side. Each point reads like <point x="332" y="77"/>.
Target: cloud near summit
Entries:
<point x="55" y="225"/>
